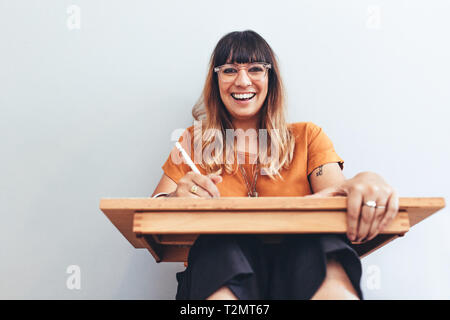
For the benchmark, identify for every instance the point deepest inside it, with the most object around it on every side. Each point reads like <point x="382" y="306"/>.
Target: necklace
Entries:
<point x="251" y="189"/>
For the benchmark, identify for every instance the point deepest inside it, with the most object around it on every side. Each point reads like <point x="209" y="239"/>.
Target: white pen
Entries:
<point x="187" y="158"/>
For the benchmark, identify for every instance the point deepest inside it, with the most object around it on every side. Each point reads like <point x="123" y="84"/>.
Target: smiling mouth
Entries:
<point x="240" y="97"/>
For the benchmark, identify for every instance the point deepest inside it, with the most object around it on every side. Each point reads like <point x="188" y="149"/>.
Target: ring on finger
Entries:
<point x="194" y="189"/>
<point x="375" y="228"/>
<point x="370" y="203"/>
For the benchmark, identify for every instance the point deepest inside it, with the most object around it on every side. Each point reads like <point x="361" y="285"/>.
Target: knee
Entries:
<point x="336" y="285"/>
<point x="224" y="293"/>
<point x="332" y="290"/>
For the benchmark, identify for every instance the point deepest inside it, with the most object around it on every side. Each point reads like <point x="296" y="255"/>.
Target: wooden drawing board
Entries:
<point x="168" y="227"/>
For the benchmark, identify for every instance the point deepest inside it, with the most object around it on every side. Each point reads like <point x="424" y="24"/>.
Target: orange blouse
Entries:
<point x="313" y="148"/>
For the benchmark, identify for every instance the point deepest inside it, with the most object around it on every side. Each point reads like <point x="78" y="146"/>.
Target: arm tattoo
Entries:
<point x="319" y="173"/>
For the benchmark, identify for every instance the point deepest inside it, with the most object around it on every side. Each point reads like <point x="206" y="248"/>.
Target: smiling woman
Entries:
<point x="243" y="92"/>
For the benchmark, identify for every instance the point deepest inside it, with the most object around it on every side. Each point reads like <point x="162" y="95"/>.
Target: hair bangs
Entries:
<point x="242" y="47"/>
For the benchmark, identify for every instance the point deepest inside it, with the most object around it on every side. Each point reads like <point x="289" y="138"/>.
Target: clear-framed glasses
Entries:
<point x="255" y="70"/>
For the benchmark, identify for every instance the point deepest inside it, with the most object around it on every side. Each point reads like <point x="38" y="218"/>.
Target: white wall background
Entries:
<point x="87" y="113"/>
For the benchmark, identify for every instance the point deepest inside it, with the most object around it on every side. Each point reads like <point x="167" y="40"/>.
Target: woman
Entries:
<point x="244" y="94"/>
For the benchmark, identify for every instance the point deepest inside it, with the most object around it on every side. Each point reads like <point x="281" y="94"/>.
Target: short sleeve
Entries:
<point x="320" y="149"/>
<point x="175" y="167"/>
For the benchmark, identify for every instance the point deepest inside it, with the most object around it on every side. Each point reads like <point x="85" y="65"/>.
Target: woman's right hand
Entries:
<point x="206" y="186"/>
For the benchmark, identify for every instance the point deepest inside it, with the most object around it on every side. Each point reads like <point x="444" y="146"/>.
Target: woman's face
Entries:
<point x="244" y="109"/>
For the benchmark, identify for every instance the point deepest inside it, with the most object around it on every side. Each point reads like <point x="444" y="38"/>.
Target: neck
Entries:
<point x="246" y="139"/>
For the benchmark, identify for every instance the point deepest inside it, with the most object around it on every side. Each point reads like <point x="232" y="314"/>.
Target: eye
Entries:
<point x="256" y="69"/>
<point x="229" y="70"/>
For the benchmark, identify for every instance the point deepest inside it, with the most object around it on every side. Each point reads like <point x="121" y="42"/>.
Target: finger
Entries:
<point x="200" y="192"/>
<point x="392" y="210"/>
<point x="183" y="191"/>
<point x="379" y="214"/>
<point x="354" y="200"/>
<point x="206" y="183"/>
<point x="365" y="221"/>
<point x="186" y="183"/>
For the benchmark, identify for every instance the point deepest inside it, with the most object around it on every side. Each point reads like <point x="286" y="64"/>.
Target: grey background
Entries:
<point x="88" y="113"/>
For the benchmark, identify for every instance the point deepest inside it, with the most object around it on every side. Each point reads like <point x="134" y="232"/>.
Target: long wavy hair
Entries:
<point x="243" y="47"/>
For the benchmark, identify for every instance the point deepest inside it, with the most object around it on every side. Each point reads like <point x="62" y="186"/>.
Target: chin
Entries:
<point x="244" y="116"/>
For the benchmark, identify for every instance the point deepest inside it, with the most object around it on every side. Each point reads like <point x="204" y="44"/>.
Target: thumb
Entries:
<point x="215" y="178"/>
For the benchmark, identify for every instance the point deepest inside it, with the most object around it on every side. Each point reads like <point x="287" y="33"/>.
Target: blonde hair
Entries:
<point x="243" y="47"/>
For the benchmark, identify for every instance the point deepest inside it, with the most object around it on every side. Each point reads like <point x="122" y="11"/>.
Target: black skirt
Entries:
<point x="254" y="270"/>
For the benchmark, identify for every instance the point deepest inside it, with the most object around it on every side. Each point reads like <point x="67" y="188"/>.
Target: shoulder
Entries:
<point x="184" y="134"/>
<point x="302" y="130"/>
<point x="190" y="129"/>
<point x="308" y="125"/>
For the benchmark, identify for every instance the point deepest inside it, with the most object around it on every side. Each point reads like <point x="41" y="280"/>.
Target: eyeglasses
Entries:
<point x="256" y="71"/>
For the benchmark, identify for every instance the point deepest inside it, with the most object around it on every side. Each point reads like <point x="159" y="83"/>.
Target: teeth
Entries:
<point x="243" y="96"/>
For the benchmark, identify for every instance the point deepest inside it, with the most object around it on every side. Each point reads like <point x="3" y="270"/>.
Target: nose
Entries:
<point x="242" y="79"/>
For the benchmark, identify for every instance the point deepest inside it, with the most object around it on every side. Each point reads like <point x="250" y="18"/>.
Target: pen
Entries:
<point x="187" y="158"/>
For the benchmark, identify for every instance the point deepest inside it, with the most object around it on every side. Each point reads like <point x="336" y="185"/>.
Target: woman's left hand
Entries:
<point x="365" y="221"/>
